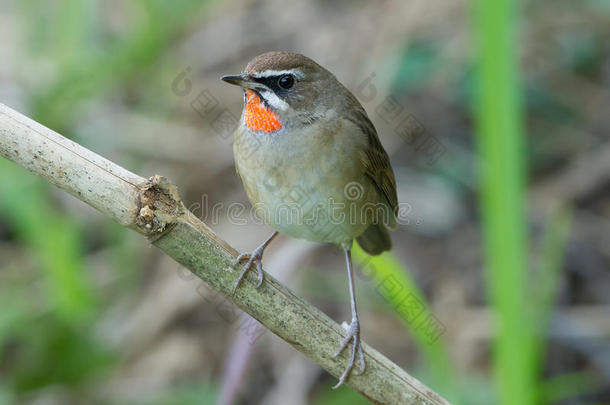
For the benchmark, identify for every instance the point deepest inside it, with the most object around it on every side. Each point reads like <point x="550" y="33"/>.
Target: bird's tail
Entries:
<point x="375" y="239"/>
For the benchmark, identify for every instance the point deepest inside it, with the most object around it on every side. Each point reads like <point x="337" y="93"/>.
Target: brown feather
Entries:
<point x="375" y="159"/>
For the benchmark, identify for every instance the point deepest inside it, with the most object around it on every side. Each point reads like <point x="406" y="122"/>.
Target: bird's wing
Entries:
<point x="375" y="160"/>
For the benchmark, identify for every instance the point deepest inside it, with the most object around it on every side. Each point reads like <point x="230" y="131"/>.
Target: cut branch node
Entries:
<point x="160" y="206"/>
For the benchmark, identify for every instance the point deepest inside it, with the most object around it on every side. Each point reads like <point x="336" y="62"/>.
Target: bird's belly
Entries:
<point x="316" y="196"/>
<point x="306" y="207"/>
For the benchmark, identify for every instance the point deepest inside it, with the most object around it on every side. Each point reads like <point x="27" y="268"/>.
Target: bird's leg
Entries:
<point x="255" y="257"/>
<point x="353" y="330"/>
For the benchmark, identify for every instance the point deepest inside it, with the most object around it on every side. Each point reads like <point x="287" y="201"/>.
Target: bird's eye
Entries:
<point x="286" y="81"/>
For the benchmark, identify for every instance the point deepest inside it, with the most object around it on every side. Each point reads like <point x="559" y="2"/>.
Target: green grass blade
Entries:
<point x="544" y="283"/>
<point x="500" y="144"/>
<point x="393" y="281"/>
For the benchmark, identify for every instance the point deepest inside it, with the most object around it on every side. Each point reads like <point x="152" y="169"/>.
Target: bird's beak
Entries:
<point x="242" y="80"/>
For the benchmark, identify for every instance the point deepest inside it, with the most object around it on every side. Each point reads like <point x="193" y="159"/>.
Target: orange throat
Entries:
<point x="257" y="117"/>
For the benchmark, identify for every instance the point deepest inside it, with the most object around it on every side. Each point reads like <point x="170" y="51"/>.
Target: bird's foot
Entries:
<point x="256" y="257"/>
<point x="353" y="336"/>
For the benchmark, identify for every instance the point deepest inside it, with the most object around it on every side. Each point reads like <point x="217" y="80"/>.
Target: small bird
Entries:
<point x="312" y="166"/>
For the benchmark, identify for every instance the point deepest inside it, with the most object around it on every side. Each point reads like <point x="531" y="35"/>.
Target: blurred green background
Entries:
<point x="495" y="119"/>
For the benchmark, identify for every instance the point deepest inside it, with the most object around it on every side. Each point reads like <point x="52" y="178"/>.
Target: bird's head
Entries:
<point x="283" y="88"/>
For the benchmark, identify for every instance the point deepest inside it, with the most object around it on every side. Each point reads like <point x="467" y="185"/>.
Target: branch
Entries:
<point x="154" y="209"/>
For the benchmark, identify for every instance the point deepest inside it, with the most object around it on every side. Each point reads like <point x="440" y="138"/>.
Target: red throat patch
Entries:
<point x="257" y="117"/>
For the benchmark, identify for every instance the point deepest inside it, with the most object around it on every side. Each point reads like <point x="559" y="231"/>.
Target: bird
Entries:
<point x="313" y="167"/>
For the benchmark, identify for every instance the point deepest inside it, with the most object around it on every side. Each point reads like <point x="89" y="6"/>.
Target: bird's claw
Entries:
<point x="255" y="257"/>
<point x="353" y="335"/>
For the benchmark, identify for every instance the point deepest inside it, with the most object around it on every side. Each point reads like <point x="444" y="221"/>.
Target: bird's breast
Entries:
<point x="295" y="178"/>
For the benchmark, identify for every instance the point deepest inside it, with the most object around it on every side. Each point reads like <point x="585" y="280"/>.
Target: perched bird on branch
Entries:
<point x="312" y="166"/>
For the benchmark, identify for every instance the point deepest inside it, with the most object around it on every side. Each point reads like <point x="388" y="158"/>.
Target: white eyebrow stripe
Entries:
<point x="268" y="73"/>
<point x="273" y="100"/>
